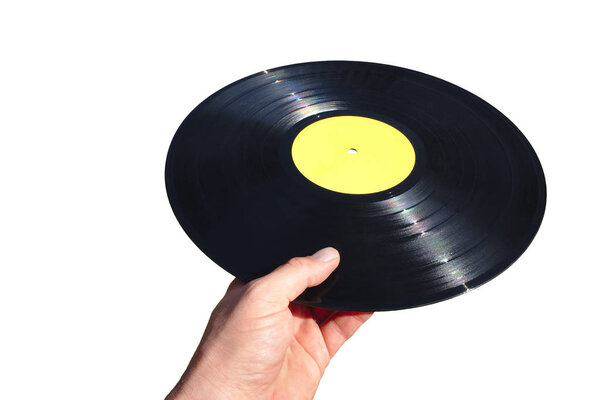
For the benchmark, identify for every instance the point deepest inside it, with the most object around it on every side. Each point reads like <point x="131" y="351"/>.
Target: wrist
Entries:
<point x="197" y="388"/>
<point x="203" y="381"/>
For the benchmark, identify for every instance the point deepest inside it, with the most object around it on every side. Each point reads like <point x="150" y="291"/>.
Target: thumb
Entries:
<point x="291" y="279"/>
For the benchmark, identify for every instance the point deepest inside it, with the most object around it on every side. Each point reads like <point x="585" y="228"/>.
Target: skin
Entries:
<point x="258" y="344"/>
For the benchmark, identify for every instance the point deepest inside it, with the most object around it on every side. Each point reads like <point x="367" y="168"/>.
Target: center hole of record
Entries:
<point x="352" y="150"/>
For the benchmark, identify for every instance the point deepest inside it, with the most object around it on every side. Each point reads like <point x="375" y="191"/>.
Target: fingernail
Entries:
<point x="326" y="254"/>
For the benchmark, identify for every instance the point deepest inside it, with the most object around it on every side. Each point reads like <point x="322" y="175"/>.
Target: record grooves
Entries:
<point x="426" y="190"/>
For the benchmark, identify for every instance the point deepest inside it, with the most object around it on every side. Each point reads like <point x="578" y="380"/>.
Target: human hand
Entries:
<point x="260" y="345"/>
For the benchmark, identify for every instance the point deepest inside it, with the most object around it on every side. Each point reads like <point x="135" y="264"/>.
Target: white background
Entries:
<point x="103" y="296"/>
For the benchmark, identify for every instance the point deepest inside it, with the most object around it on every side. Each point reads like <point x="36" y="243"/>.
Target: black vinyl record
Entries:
<point x="461" y="204"/>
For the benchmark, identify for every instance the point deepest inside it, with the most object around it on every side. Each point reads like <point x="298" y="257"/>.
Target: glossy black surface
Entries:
<point x="467" y="212"/>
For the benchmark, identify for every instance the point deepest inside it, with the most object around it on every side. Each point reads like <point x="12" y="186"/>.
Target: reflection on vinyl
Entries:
<point x="426" y="190"/>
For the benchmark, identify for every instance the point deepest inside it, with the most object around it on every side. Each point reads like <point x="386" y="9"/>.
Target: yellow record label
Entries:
<point x="353" y="155"/>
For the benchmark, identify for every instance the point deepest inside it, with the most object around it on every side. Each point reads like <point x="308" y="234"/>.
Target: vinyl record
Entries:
<point x="426" y="190"/>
